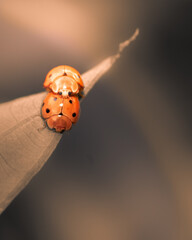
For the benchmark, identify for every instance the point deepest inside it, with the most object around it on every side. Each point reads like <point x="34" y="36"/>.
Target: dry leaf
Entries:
<point x="26" y="143"/>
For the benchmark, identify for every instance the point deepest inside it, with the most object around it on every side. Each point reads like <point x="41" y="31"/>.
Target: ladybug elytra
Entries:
<point x="64" y="80"/>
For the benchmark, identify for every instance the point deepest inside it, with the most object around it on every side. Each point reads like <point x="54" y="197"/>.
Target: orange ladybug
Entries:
<point x="64" y="80"/>
<point x="60" y="113"/>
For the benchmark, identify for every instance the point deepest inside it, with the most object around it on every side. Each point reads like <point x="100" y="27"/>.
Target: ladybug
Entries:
<point x="59" y="112"/>
<point x="64" y="80"/>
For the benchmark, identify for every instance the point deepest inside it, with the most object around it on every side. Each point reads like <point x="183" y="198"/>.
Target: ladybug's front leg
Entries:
<point x="43" y="127"/>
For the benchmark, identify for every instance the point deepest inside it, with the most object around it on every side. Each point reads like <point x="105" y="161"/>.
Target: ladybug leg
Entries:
<point x="81" y="95"/>
<point x="43" y="127"/>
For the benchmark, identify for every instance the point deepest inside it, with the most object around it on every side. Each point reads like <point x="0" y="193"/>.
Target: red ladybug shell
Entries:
<point x="64" y="79"/>
<point x="59" y="113"/>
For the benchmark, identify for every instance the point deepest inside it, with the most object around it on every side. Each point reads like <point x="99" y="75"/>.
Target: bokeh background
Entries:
<point x="124" y="171"/>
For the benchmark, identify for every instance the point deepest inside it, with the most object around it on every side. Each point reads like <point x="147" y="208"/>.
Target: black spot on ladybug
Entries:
<point x="47" y="110"/>
<point x="69" y="93"/>
<point x="60" y="93"/>
<point x="74" y="114"/>
<point x="65" y="74"/>
<point x="50" y="75"/>
<point x="70" y="101"/>
<point x="61" y="114"/>
<point x="55" y="99"/>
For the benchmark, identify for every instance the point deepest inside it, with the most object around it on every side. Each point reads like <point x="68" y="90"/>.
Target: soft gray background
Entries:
<point x="107" y="179"/>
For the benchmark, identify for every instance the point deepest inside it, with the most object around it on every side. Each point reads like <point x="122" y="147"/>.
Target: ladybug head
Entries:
<point x="59" y="123"/>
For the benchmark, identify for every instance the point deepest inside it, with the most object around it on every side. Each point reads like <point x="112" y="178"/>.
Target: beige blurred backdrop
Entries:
<point x="124" y="171"/>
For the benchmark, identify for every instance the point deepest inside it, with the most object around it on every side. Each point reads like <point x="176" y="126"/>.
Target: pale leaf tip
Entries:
<point x="128" y="41"/>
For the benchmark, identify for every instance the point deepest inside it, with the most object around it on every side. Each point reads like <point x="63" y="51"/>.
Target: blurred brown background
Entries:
<point x="124" y="171"/>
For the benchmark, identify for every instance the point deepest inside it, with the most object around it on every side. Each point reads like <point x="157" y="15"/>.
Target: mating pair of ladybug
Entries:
<point x="61" y="107"/>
